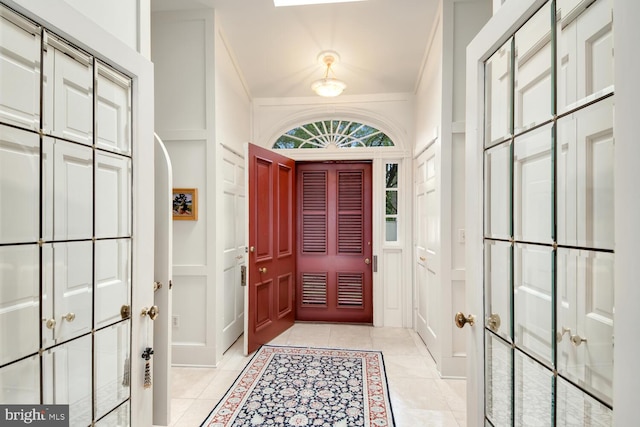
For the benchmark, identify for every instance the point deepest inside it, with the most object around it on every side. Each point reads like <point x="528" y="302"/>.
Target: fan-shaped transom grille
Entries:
<point x="333" y="133"/>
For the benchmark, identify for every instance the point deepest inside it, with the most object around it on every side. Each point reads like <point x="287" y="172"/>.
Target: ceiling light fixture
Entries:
<point x="328" y="86"/>
<point x="279" y="3"/>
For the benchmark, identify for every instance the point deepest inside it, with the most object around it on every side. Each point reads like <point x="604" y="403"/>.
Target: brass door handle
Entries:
<point x="152" y="312"/>
<point x="69" y="317"/>
<point x="461" y="319"/>
<point x="367" y="261"/>
<point x="262" y="270"/>
<point x="423" y="258"/>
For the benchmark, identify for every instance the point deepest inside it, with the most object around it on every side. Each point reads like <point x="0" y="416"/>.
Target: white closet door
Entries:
<point x="427" y="250"/>
<point x="233" y="246"/>
<point x="20" y="71"/>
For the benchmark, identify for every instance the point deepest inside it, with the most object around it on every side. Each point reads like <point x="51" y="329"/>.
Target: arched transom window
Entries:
<point x="333" y="133"/>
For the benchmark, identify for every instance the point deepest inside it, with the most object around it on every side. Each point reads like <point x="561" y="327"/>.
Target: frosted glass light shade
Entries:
<point x="328" y="87"/>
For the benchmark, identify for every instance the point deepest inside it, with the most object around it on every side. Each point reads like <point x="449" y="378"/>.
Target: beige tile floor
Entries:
<point x="419" y="397"/>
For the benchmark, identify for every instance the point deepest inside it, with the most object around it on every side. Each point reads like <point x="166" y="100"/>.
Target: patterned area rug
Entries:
<point x="302" y="386"/>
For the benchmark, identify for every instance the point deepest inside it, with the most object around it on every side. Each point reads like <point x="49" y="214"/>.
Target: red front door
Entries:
<point x="271" y="266"/>
<point x="334" y="277"/>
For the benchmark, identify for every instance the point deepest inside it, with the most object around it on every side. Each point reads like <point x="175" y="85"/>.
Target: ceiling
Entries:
<point x="381" y="43"/>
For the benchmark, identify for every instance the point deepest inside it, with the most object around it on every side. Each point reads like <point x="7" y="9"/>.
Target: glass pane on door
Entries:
<point x="533" y="72"/>
<point x="67" y="378"/>
<point x="499" y="95"/>
<point x="585" y="320"/>
<point x="19" y="62"/>
<point x="20" y="301"/>
<point x="585" y="57"/>
<point x="549" y="197"/>
<point x="533" y="390"/>
<point x="497" y="258"/>
<point x="498" y="381"/>
<point x="20" y="381"/>
<point x="19" y="185"/>
<point x="112" y="367"/>
<point x="497" y="191"/>
<point x="576" y="408"/>
<point x="532" y="186"/>
<point x="585" y="176"/>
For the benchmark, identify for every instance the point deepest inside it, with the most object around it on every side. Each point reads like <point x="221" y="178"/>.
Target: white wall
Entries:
<point x="182" y="49"/>
<point x="201" y="103"/>
<point x="127" y="20"/>
<point x="391" y="113"/>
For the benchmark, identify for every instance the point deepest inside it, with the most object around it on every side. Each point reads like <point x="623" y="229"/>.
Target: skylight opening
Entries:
<point x="280" y="3"/>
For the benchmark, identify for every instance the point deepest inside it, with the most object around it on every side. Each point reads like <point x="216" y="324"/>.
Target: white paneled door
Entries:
<point x="66" y="237"/>
<point x="427" y="303"/>
<point x="543" y="262"/>
<point x="233" y="251"/>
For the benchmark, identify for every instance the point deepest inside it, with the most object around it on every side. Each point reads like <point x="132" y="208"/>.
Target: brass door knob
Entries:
<point x="262" y="270"/>
<point x="50" y="323"/>
<point x="367" y="261"/>
<point x="152" y="312"/>
<point x="576" y="340"/>
<point x="69" y="317"/>
<point x="461" y="319"/>
<point x="493" y="322"/>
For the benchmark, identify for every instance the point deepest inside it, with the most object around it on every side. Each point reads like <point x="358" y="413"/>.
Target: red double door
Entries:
<point x="310" y="246"/>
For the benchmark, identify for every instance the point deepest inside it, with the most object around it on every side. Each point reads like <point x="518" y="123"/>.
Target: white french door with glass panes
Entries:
<point x="65" y="227"/>
<point x="542" y="253"/>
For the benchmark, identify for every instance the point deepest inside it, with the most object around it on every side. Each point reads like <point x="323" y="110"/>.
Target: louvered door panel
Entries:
<point x="314" y="289"/>
<point x="350" y="212"/>
<point x="334" y="214"/>
<point x="314" y="212"/>
<point x="350" y="290"/>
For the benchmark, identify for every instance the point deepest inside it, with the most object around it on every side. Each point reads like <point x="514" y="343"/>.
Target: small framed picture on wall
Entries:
<point x="185" y="204"/>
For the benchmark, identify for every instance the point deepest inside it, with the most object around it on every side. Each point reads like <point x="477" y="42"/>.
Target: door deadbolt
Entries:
<point x="125" y="311"/>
